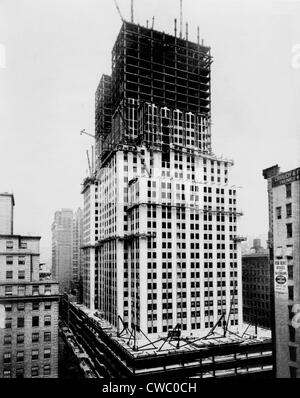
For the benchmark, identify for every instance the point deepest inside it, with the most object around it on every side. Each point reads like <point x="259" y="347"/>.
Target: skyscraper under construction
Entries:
<point x="168" y="252"/>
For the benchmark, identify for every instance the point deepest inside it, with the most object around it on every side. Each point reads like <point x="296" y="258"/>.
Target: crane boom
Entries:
<point x="88" y="158"/>
<point x="119" y="11"/>
<point x="84" y="132"/>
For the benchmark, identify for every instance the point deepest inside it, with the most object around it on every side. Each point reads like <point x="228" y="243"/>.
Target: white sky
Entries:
<point x="56" y="51"/>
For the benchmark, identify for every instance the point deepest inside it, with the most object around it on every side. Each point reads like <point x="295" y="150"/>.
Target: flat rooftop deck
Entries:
<point x="159" y="344"/>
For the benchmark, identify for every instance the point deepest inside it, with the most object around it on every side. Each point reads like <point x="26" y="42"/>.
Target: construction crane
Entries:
<point x="84" y="132"/>
<point x="88" y="158"/>
<point x="119" y="11"/>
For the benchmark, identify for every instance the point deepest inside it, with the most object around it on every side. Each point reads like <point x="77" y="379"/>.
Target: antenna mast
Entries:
<point x="132" y="11"/>
<point x="181" y="19"/>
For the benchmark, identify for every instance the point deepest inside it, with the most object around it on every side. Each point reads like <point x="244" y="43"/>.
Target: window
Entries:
<point x="47" y="370"/>
<point x="35" y="337"/>
<point x="7" y="339"/>
<point x="35" y="306"/>
<point x="47" y="336"/>
<point x="47" y="320"/>
<point x="8" y="308"/>
<point x="9" y="274"/>
<point x="288" y="210"/>
<point x="21" y="260"/>
<point x="9" y="260"/>
<point x="20" y="338"/>
<point x="20" y="373"/>
<point x="293" y="353"/>
<point x="7" y="357"/>
<point x="289" y="230"/>
<point x="289" y="251"/>
<point x="9" y="244"/>
<point x="292" y="333"/>
<point x="8" y="291"/>
<point x="20" y="322"/>
<point x="21" y="306"/>
<point x="47" y="306"/>
<point x="47" y="289"/>
<point x="47" y="353"/>
<point x="21" y="290"/>
<point x="290" y="272"/>
<point x="20" y="356"/>
<point x="8" y="323"/>
<point x="291" y="292"/>
<point x="23" y="245"/>
<point x="35" y="290"/>
<point x="34" y="355"/>
<point x="21" y="274"/>
<point x="35" y="321"/>
<point x="293" y="372"/>
<point x="278" y="213"/>
<point x="288" y="190"/>
<point x="6" y="374"/>
<point x="34" y="371"/>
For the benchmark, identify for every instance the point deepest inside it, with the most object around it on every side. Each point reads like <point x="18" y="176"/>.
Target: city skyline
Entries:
<point x="61" y="59"/>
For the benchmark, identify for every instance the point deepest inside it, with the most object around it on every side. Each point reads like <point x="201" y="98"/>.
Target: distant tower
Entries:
<point x="7" y="203"/>
<point x="62" y="248"/>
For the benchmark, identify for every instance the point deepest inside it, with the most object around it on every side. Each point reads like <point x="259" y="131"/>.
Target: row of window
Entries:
<point x="288" y="211"/>
<point x="35" y="321"/>
<point x="35" y="338"/>
<point x="35" y="306"/>
<point x="10" y="245"/>
<point x="193" y="326"/>
<point x="7" y="373"/>
<point x="7" y="356"/>
<point x="21" y="290"/>
<point x="10" y="260"/>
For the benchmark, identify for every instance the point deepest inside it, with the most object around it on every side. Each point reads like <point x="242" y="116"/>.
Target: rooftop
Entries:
<point x="9" y="195"/>
<point x="159" y="345"/>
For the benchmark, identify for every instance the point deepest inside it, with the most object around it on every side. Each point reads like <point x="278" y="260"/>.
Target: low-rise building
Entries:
<point x="256" y="287"/>
<point x="28" y="311"/>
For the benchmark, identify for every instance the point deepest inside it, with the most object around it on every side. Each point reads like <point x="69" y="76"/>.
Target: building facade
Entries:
<point x="168" y="247"/>
<point x="256" y="287"/>
<point x="284" y="241"/>
<point x="62" y="249"/>
<point x="29" y="311"/>
<point x="90" y="276"/>
<point x="77" y="251"/>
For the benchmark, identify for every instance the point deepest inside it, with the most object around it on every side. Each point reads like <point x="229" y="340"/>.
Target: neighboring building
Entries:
<point x="168" y="248"/>
<point x="77" y="251"/>
<point x="256" y="286"/>
<point x="29" y="309"/>
<point x="284" y="241"/>
<point x="44" y="272"/>
<point x="89" y="274"/>
<point x="7" y="203"/>
<point x="62" y="248"/>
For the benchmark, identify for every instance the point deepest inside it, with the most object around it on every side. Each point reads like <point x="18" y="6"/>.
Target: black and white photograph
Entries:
<point x="149" y="192"/>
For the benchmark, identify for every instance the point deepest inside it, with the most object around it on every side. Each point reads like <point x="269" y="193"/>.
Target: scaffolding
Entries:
<point x="153" y="76"/>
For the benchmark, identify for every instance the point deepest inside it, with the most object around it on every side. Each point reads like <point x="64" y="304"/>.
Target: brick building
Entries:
<point x="284" y="245"/>
<point x="256" y="287"/>
<point x="28" y="311"/>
